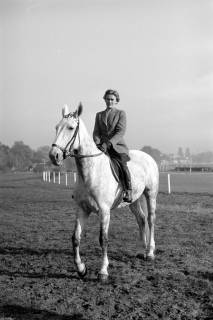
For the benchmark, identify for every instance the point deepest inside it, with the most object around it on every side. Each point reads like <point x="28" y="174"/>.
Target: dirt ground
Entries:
<point x="38" y="280"/>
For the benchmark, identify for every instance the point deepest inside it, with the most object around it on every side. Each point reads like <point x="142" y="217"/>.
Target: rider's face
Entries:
<point x="110" y="100"/>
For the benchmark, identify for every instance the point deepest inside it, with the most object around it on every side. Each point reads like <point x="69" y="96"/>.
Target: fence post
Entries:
<point x="74" y="177"/>
<point x="66" y="179"/>
<point x="43" y="175"/>
<point x="59" y="177"/>
<point x="49" y="176"/>
<point x="169" y="185"/>
<point x="53" y="176"/>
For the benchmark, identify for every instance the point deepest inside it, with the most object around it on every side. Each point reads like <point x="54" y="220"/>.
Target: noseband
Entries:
<point x="71" y="142"/>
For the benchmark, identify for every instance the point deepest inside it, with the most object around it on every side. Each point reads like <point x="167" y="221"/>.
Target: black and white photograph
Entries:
<point x="106" y="159"/>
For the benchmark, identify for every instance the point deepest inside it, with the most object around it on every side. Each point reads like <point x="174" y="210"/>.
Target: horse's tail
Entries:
<point x="143" y="203"/>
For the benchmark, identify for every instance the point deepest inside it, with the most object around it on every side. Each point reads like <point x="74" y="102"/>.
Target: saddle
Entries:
<point x="118" y="174"/>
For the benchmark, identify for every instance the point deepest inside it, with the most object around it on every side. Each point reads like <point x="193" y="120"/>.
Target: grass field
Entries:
<point x="37" y="275"/>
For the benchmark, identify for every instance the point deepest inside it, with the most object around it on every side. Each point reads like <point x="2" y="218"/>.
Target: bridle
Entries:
<point x="68" y="153"/>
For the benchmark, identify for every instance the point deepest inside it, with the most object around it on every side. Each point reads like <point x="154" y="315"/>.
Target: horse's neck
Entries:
<point x="87" y="145"/>
<point x="88" y="166"/>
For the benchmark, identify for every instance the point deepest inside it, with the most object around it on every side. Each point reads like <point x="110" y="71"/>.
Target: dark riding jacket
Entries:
<point x="111" y="128"/>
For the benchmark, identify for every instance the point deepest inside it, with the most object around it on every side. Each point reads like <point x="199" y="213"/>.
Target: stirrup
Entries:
<point x="127" y="196"/>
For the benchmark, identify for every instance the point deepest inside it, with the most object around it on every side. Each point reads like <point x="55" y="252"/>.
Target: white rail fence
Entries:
<point x="169" y="182"/>
<point x="69" y="178"/>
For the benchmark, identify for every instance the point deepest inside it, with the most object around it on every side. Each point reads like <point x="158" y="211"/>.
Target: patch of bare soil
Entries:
<point x="38" y="280"/>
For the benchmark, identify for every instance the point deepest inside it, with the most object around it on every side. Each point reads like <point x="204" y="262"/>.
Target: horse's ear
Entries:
<point x="65" y="110"/>
<point x="80" y="109"/>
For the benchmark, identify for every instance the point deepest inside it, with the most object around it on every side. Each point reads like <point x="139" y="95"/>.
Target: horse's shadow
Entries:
<point x="39" y="275"/>
<point x="71" y="274"/>
<point x="24" y="313"/>
<point x="32" y="252"/>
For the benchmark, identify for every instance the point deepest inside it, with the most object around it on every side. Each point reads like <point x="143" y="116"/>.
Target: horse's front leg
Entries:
<point x="76" y="238"/>
<point x="151" y="202"/>
<point x="103" y="239"/>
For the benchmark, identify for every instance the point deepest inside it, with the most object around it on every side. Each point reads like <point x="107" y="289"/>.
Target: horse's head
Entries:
<point x="66" y="133"/>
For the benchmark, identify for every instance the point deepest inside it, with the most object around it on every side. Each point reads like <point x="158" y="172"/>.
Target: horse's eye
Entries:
<point x="70" y="128"/>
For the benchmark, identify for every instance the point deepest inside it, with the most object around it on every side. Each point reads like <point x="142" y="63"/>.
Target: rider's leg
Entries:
<point x="127" y="181"/>
<point x="122" y="158"/>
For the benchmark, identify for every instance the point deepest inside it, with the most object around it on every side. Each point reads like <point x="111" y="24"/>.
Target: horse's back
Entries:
<point x="143" y="169"/>
<point x="143" y="158"/>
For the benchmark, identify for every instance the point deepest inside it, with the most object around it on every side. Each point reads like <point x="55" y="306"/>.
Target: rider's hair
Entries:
<point x="114" y="92"/>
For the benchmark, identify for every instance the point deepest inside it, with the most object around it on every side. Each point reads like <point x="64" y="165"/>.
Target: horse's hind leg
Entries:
<point x="76" y="238"/>
<point x="103" y="239"/>
<point x="141" y="219"/>
<point x="151" y="205"/>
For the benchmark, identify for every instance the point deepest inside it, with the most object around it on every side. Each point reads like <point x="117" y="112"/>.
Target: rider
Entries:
<point x="110" y="127"/>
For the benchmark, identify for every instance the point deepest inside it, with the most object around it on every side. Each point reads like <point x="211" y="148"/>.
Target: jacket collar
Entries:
<point x="104" y="114"/>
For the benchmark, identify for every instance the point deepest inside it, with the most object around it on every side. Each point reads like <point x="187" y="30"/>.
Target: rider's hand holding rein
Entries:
<point x="105" y="145"/>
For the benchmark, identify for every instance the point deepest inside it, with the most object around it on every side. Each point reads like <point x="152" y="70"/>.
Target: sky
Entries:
<point x="157" y="54"/>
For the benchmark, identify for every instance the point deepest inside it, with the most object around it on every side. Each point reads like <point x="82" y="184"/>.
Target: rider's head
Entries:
<point x="112" y="92"/>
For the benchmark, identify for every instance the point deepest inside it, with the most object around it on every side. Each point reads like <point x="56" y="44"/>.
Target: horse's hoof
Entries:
<point x="141" y="256"/>
<point x="150" y="257"/>
<point x="103" y="278"/>
<point x="83" y="273"/>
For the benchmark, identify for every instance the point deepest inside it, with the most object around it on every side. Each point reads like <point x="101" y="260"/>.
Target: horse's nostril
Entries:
<point x="57" y="156"/>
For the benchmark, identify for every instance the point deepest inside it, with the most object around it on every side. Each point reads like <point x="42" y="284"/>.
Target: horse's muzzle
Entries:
<point x="56" y="156"/>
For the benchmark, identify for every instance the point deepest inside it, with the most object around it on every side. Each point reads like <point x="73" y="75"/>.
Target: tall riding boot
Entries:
<point x="127" y="178"/>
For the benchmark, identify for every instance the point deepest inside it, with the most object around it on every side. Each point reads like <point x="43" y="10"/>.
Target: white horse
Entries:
<point x="98" y="191"/>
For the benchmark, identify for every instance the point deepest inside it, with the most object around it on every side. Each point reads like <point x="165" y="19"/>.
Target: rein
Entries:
<point x="80" y="156"/>
<point x="68" y="153"/>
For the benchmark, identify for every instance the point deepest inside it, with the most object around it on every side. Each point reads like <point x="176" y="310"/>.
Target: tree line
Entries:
<point x="21" y="157"/>
<point x="203" y="157"/>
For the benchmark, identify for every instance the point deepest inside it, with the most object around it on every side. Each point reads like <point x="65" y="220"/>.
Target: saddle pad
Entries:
<point x="119" y="177"/>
